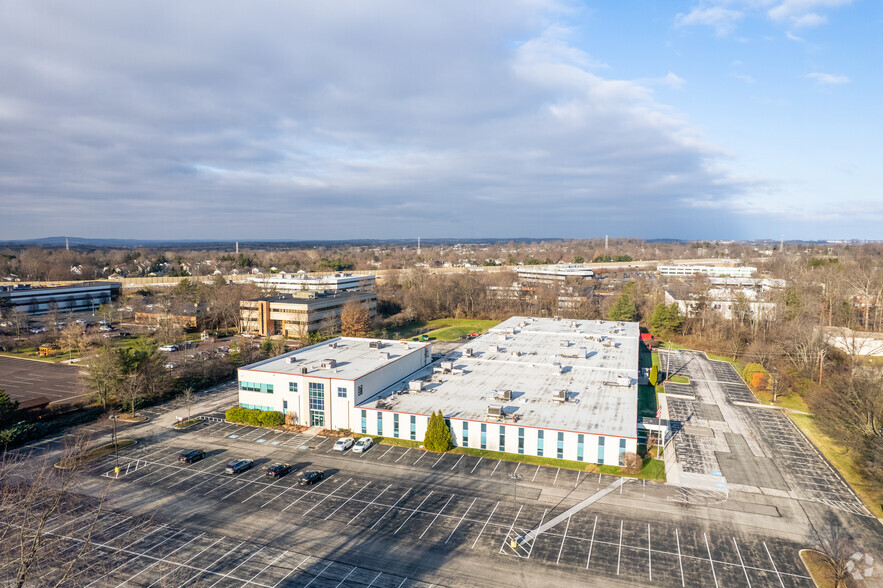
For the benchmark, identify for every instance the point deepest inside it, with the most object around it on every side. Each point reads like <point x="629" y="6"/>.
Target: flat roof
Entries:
<point x="595" y="362"/>
<point x="354" y="357"/>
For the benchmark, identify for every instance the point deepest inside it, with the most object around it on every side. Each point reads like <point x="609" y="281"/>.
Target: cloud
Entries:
<point x="722" y="20"/>
<point x="321" y="121"/>
<point x="792" y="37"/>
<point x="744" y="77"/>
<point x="803" y="13"/>
<point x="827" y="79"/>
<point x="724" y="15"/>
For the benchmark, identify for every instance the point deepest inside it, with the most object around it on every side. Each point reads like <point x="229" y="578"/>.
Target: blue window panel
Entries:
<point x="521" y="440"/>
<point x="601" y="450"/>
<point x="395" y="425"/>
<point x="292" y="386"/>
<point x="622" y="452"/>
<point x="483" y="436"/>
<point x="465" y="434"/>
<point x="379" y="423"/>
<point x="540" y="443"/>
<point x="364" y="422"/>
<point x="560" y="453"/>
<point x="413" y="428"/>
<point x="502" y="438"/>
<point x="579" y="447"/>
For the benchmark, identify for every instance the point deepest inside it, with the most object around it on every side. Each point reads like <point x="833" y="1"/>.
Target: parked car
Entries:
<point x="191" y="456"/>
<point x="363" y="444"/>
<point x="105" y="328"/>
<point x="278" y="470"/>
<point x="309" y="478"/>
<point x="238" y="466"/>
<point x="171" y="365"/>
<point x="343" y="444"/>
<point x="168" y="348"/>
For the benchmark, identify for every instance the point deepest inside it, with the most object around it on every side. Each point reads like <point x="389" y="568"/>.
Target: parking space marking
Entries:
<point x="264" y="569"/>
<point x="370" y="503"/>
<point x="619" y="553"/>
<point x="227" y="575"/>
<point x="232" y="492"/>
<point x="187" y="561"/>
<point x="438" y="460"/>
<point x="742" y="562"/>
<point x="179" y="548"/>
<point x="533" y="541"/>
<point x="535" y="474"/>
<point x="680" y="561"/>
<point x="402" y="455"/>
<point x="558" y="471"/>
<point x="711" y="561"/>
<point x="591" y="543"/>
<point x="775" y="569"/>
<point x="347" y="500"/>
<point x="512" y="526"/>
<point x="436" y="517"/>
<point x="413" y="512"/>
<point x="374" y="580"/>
<point x="649" y="555"/>
<point x="301" y="497"/>
<point x="294" y="569"/>
<point x="575" y="484"/>
<point x="276" y="481"/>
<point x="391" y="507"/>
<point x="485" y="524"/>
<point x="475" y="466"/>
<point x="495" y="468"/>
<point x="316" y="577"/>
<point x="563" y="539"/>
<point x="461" y="519"/>
<point x="345" y="577"/>
<point x="419" y="458"/>
<point x="140" y="555"/>
<point x="457" y="463"/>
<point x="327" y="496"/>
<point x="387" y="451"/>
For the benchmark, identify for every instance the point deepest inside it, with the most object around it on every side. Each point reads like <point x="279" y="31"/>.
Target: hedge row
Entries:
<point x="253" y="416"/>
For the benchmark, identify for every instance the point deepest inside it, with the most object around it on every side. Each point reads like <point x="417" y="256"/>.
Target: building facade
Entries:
<point x="717" y="271"/>
<point x="75" y="297"/>
<point x="303" y="282"/>
<point x="298" y="315"/>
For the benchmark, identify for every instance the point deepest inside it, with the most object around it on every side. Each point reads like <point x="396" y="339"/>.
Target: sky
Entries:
<point x="698" y="119"/>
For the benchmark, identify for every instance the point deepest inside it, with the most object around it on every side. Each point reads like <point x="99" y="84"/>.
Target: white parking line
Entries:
<point x="577" y="480"/>
<point x="680" y="562"/>
<point x="347" y="500"/>
<point x="402" y="455"/>
<point x="475" y="466"/>
<point x="563" y="539"/>
<point x="778" y="575"/>
<point x="619" y="553"/>
<point x="591" y="543"/>
<point x="187" y="561"/>
<point x="713" y="574"/>
<point x="485" y="524"/>
<point x="438" y="460"/>
<point x="456" y="464"/>
<point x="435" y="518"/>
<point x="327" y="496"/>
<point x="316" y="577"/>
<point x="558" y="471"/>
<point x="534" y="540"/>
<point x="461" y="519"/>
<point x="374" y="580"/>
<point x="142" y="553"/>
<point x="649" y="554"/>
<point x="264" y="569"/>
<point x="391" y="507"/>
<point x="345" y="577"/>
<point x="495" y="468"/>
<point x="285" y="577"/>
<point x="180" y="547"/>
<point x="535" y="474"/>
<point x="276" y="481"/>
<point x="419" y="458"/>
<point x="301" y="497"/>
<point x="385" y="452"/>
<point x="512" y="526"/>
<point x="370" y="503"/>
<point x="413" y="512"/>
<point x="742" y="562"/>
<point x="227" y="575"/>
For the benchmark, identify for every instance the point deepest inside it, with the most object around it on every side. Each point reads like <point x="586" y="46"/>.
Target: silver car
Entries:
<point x="363" y="444"/>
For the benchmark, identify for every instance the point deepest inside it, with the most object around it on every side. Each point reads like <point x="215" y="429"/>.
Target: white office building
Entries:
<point x="546" y="387"/>
<point x="554" y="274"/>
<point x="718" y="271"/>
<point x="302" y="281"/>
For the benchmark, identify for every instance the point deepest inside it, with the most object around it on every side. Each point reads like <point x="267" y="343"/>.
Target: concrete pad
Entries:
<point x="742" y="467"/>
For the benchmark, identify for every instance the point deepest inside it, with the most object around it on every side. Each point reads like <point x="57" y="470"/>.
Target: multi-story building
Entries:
<point x="74" y="297"/>
<point x="301" y="281"/>
<point x="554" y="274"/>
<point x="300" y="314"/>
<point x="718" y="271"/>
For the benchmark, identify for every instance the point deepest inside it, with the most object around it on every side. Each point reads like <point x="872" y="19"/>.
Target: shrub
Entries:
<point x="654" y="375"/>
<point x="255" y="417"/>
<point x="438" y="435"/>
<point x="631" y="463"/>
<point x="272" y="418"/>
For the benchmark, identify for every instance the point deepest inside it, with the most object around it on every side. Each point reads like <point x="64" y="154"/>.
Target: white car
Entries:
<point x="168" y="348"/>
<point x="363" y="444"/>
<point x="171" y="365"/>
<point x="343" y="444"/>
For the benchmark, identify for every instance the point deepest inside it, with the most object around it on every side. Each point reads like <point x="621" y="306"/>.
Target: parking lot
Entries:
<point x="25" y="379"/>
<point x="602" y="541"/>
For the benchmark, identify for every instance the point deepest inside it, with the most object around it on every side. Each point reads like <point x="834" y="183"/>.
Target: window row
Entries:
<point x="256" y="387"/>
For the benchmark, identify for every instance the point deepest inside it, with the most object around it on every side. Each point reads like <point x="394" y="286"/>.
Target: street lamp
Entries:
<point x="515" y="477"/>
<point x="113" y="436"/>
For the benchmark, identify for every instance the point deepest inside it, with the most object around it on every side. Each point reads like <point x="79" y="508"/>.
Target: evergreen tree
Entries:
<point x="8" y="408"/>
<point x="438" y="436"/>
<point x="665" y="319"/>
<point x="654" y="375"/>
<point x="624" y="309"/>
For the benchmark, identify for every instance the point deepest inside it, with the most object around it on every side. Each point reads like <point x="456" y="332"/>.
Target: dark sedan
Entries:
<point x="309" y="478"/>
<point x="278" y="470"/>
<point x="240" y="465"/>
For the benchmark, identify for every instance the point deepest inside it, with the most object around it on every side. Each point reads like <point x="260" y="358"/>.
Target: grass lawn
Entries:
<point x="32" y="353"/>
<point x="839" y="457"/>
<point x="794" y="402"/>
<point x="818" y="568"/>
<point x="448" y="329"/>
<point x="679" y="379"/>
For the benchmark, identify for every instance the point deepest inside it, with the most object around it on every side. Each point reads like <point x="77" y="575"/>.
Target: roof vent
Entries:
<point x="563" y="343"/>
<point x="375" y="345"/>
<point x="495" y="411"/>
<point x="447" y="365"/>
<point x="468" y="352"/>
<point x="328" y="364"/>
<point x="304" y="370"/>
<point x="559" y="395"/>
<point x="515" y="353"/>
<point x="292" y="359"/>
<point x="333" y="345"/>
<point x="415" y="385"/>
<point x="384" y="355"/>
<point x="505" y="395"/>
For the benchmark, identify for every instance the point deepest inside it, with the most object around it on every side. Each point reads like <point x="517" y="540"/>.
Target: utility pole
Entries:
<point x="113" y="435"/>
<point x="606" y="241"/>
<point x="237" y="247"/>
<point x="418" y="245"/>
<point x="67" y="244"/>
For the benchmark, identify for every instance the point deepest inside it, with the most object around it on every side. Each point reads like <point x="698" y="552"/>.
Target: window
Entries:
<point x="521" y="440"/>
<point x="379" y="423"/>
<point x="364" y="422"/>
<point x="395" y="425"/>
<point x="317" y="404"/>
<point x="255" y="387"/>
<point x="601" y="450"/>
<point x="483" y="436"/>
<point x="292" y="386"/>
<point x="579" y="448"/>
<point x="284" y="406"/>
<point x="502" y="438"/>
<point x="257" y="407"/>
<point x="560" y="453"/>
<point x="341" y="392"/>
<point x="622" y="452"/>
<point x="413" y="428"/>
<point x="465" y="434"/>
<point x="360" y="389"/>
<point x="540" y="443"/>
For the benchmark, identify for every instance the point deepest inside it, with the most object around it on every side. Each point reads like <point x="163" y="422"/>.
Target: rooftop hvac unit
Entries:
<point x="375" y="345"/>
<point x="497" y="348"/>
<point x="502" y="337"/>
<point x="510" y="331"/>
<point x="559" y="395"/>
<point x="503" y="395"/>
<point x="304" y="370"/>
<point x="468" y="352"/>
<point x="495" y="411"/>
<point x="384" y="355"/>
<point x="333" y="345"/>
<point x="415" y="385"/>
<point x="563" y="343"/>
<point x="515" y="353"/>
<point x="292" y="359"/>
<point x="556" y="318"/>
<point x="405" y="345"/>
<point x="457" y="371"/>
<point x="583" y="351"/>
<point x="447" y="365"/>
<point x="623" y="381"/>
<point x="329" y="364"/>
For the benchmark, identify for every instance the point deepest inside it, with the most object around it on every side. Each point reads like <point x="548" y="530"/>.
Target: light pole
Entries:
<point x="113" y="436"/>
<point x="515" y="477"/>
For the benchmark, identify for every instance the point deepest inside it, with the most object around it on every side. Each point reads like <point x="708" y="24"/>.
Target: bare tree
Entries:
<point x="837" y="547"/>
<point x="103" y="374"/>
<point x="187" y="397"/>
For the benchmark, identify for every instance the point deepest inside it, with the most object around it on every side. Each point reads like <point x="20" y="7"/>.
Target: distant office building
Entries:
<point x="297" y="315"/>
<point x="716" y="271"/>
<point x="727" y="302"/>
<point x="74" y="297"/>
<point x="303" y="282"/>
<point x="554" y="274"/>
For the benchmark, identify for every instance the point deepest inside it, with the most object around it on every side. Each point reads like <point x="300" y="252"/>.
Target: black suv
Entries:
<point x="191" y="456"/>
<point x="309" y="478"/>
<point x="239" y="465"/>
<point x="278" y="470"/>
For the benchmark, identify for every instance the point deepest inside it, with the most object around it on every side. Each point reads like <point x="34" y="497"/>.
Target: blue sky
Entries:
<point x="710" y="119"/>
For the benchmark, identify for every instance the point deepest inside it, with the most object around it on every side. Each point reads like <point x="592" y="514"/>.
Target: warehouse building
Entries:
<point x="69" y="298"/>
<point x="299" y="314"/>
<point x="546" y="387"/>
<point x="717" y="271"/>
